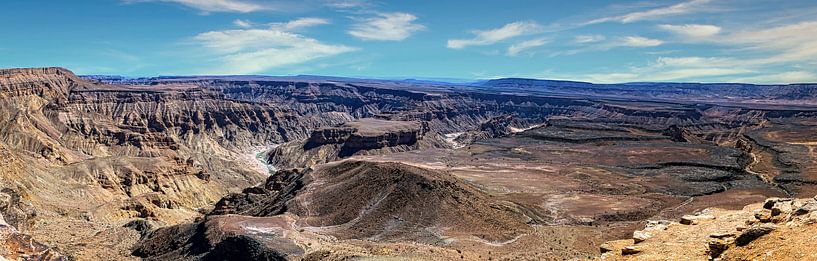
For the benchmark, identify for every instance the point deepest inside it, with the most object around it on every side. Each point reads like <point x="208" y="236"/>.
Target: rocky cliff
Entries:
<point x="91" y="165"/>
<point x="365" y="136"/>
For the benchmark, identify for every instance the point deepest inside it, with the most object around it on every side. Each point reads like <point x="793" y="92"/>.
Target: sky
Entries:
<point x="752" y="41"/>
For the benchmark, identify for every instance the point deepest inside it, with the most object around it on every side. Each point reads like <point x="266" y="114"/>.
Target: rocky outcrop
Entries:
<point x="497" y="127"/>
<point x="368" y="134"/>
<point x="214" y="238"/>
<point x="389" y="201"/>
<point x="759" y="230"/>
<point x="108" y="156"/>
<point x="361" y="137"/>
<point x="267" y="199"/>
<point x="50" y="83"/>
<point x="15" y="245"/>
<point x="379" y="202"/>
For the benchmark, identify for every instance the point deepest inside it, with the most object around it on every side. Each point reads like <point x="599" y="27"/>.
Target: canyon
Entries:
<point x="167" y="168"/>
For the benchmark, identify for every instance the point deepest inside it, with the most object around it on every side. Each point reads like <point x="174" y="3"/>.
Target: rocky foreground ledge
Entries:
<point x="777" y="229"/>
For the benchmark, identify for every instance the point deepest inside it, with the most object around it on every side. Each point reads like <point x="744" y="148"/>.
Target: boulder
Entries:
<point x="694" y="219"/>
<point x="808" y="207"/>
<point x="604" y="248"/>
<point x="752" y="233"/>
<point x="782" y="208"/>
<point x="630" y="250"/>
<point x="656" y="225"/>
<point x="716" y="247"/>
<point x="771" y="202"/>
<point x="640" y="236"/>
<point x="722" y="235"/>
<point x="740" y="228"/>
<point x="763" y="215"/>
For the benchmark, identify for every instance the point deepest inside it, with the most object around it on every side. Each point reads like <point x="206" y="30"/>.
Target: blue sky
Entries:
<point x="757" y="41"/>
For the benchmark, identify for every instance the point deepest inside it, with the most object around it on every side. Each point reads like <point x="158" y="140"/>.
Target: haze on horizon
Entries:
<point x="753" y="41"/>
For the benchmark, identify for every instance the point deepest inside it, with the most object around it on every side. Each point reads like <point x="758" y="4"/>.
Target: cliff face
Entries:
<point x="365" y="136"/>
<point x="161" y="151"/>
<point x="49" y="83"/>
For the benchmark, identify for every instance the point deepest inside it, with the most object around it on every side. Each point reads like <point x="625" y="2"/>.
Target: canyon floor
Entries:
<point x="311" y="168"/>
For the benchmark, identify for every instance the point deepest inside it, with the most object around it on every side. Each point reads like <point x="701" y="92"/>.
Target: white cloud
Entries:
<point x="300" y="23"/>
<point x="235" y="6"/>
<point x="293" y="25"/>
<point x="517" y="48"/>
<point x="492" y="36"/>
<point x="675" y="69"/>
<point x="248" y="51"/>
<point x="793" y="42"/>
<point x="637" y="41"/>
<point x="690" y="6"/>
<point x="721" y="69"/>
<point x="692" y="31"/>
<point x="643" y="74"/>
<point x="766" y="46"/>
<point x="781" y="78"/>
<point x="588" y="38"/>
<point x="242" y="23"/>
<point x="598" y="43"/>
<point x="386" y="27"/>
<point x="346" y="4"/>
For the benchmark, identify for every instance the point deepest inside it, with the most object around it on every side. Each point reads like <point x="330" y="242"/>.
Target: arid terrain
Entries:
<point x="320" y="168"/>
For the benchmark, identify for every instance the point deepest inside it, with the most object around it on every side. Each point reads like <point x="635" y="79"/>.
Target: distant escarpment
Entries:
<point x="95" y="162"/>
<point x="362" y="137"/>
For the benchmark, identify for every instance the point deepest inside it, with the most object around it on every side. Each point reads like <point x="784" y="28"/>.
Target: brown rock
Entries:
<point x="722" y="235"/>
<point x="653" y="225"/>
<point x="782" y="208"/>
<point x="716" y="247"/>
<point x="640" y="236"/>
<point x="694" y="219"/>
<point x="809" y="207"/>
<point x="630" y="250"/>
<point x="763" y="215"/>
<point x="752" y="233"/>
<point x="604" y="248"/>
<point x="771" y="202"/>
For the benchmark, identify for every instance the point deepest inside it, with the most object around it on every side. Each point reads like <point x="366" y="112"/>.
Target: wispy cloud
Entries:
<point x="517" y="48"/>
<point x="300" y="23"/>
<point x="248" y="51"/>
<point x="347" y="4"/>
<point x="492" y="36"/>
<point x="598" y="43"/>
<point x="293" y="25"/>
<point x="672" y="69"/>
<point x="781" y="78"/>
<point x="592" y="38"/>
<point x="689" y="6"/>
<point x="772" y="54"/>
<point x="234" y="6"/>
<point x="762" y="46"/>
<point x="637" y="41"/>
<point x="242" y="23"/>
<point x="691" y="31"/>
<point x="791" y="42"/>
<point x="386" y="27"/>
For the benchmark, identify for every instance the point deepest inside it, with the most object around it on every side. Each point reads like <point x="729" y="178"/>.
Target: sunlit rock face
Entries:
<point x="92" y="167"/>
